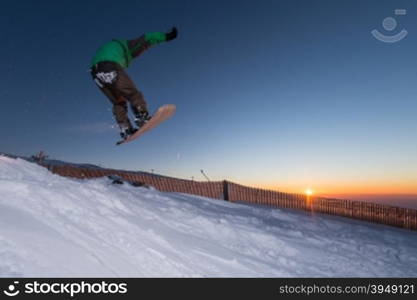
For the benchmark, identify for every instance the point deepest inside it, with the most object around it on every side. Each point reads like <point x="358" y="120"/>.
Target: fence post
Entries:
<point x="225" y="190"/>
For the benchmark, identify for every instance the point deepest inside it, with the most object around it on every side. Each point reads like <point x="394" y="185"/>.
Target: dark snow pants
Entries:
<point x="116" y="84"/>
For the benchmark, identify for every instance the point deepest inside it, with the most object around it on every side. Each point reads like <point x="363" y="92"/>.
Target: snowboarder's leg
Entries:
<point x="126" y="128"/>
<point x="119" y="108"/>
<point x="105" y="76"/>
<point x="120" y="113"/>
<point x="127" y="88"/>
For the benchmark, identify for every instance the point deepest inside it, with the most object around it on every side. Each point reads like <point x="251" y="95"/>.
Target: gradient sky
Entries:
<point x="280" y="94"/>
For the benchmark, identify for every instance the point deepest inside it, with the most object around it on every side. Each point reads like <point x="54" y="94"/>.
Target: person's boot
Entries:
<point x="125" y="131"/>
<point x="141" y="117"/>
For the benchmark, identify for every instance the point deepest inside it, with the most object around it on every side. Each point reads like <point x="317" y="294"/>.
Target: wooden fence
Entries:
<point x="371" y="212"/>
<point x="366" y="211"/>
<point x="162" y="183"/>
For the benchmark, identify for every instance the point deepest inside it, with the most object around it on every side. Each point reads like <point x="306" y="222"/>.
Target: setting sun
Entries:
<point x="309" y="192"/>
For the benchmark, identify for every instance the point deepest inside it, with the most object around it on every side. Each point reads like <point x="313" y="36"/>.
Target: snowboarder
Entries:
<point x="107" y="70"/>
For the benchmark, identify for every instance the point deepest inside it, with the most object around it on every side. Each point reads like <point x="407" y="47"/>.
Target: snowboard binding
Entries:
<point x="126" y="132"/>
<point x="141" y="118"/>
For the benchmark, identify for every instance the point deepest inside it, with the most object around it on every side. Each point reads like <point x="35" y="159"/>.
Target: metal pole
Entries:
<point x="202" y="172"/>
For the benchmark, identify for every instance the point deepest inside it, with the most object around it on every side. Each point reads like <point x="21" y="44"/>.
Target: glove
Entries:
<point x="172" y="34"/>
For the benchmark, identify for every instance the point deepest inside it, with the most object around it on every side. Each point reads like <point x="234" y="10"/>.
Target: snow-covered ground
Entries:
<point x="52" y="226"/>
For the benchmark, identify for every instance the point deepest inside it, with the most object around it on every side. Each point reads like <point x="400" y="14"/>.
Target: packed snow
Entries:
<point x="51" y="226"/>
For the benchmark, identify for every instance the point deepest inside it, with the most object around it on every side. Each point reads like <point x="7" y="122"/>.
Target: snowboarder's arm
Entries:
<point x="140" y="45"/>
<point x="159" y="37"/>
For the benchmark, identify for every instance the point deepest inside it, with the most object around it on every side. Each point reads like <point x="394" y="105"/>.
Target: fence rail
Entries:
<point x="371" y="212"/>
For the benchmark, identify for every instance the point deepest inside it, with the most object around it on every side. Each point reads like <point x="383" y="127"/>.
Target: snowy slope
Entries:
<point x="52" y="226"/>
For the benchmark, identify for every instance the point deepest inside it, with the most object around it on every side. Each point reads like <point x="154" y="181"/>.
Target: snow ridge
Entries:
<point x="52" y="226"/>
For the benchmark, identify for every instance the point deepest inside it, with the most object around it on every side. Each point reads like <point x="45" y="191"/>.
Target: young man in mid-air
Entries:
<point x="107" y="69"/>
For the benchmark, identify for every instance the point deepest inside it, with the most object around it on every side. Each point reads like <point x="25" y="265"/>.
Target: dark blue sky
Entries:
<point x="282" y="94"/>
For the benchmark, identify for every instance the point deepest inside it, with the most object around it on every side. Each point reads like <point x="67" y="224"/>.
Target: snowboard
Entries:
<point x="162" y="114"/>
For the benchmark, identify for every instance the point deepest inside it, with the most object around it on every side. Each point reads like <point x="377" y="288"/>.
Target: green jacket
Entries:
<point x="124" y="51"/>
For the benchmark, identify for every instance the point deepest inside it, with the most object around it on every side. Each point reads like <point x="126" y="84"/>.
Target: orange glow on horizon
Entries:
<point x="345" y="189"/>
